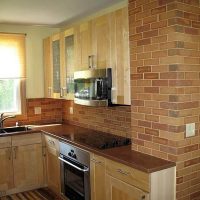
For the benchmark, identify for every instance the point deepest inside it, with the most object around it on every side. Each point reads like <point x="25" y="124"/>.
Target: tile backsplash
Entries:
<point x="51" y="112"/>
<point x="115" y="120"/>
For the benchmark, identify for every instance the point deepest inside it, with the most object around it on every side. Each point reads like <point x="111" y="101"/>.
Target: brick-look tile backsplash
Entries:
<point x="51" y="112"/>
<point x="165" y="85"/>
<point x="115" y="120"/>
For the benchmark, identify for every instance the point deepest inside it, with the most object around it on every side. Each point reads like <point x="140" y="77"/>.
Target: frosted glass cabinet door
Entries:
<point x="56" y="67"/>
<point x="69" y="64"/>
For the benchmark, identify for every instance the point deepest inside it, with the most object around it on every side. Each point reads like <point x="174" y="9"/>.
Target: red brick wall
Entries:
<point x="51" y="112"/>
<point x="115" y="120"/>
<point x="165" y="77"/>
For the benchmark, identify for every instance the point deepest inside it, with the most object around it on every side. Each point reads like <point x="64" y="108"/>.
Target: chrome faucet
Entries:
<point x="2" y="119"/>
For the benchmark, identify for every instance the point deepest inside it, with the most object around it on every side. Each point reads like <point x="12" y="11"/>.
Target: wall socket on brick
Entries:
<point x="190" y="130"/>
<point x="37" y="110"/>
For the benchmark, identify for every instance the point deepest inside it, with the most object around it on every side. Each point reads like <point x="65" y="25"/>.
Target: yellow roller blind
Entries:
<point x="12" y="56"/>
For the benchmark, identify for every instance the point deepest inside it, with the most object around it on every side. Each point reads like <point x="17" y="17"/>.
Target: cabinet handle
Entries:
<point x="96" y="161"/>
<point x="123" y="172"/>
<point x="9" y="154"/>
<point x="52" y="142"/>
<point x="49" y="91"/>
<point x="44" y="151"/>
<point x="14" y="152"/>
<point x="143" y="197"/>
<point x="62" y="91"/>
<point x="91" y="62"/>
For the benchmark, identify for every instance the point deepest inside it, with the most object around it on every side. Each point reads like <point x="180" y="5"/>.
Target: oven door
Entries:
<point x="75" y="179"/>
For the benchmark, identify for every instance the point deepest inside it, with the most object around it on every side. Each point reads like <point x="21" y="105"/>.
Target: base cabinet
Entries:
<point x="6" y="172"/>
<point x="28" y="166"/>
<point x="111" y="180"/>
<point x="98" y="175"/>
<point x="21" y="163"/>
<point x="52" y="164"/>
<point x="119" y="190"/>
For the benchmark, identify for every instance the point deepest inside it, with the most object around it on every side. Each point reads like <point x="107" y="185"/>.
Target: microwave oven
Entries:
<point x="93" y="87"/>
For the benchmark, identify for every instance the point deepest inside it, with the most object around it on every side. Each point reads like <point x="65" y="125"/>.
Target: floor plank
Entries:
<point x="39" y="194"/>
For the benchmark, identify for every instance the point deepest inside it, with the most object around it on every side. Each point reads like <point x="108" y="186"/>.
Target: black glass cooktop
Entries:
<point x="98" y="139"/>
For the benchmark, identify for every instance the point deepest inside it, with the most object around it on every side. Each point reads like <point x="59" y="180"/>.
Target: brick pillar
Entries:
<point x="165" y="85"/>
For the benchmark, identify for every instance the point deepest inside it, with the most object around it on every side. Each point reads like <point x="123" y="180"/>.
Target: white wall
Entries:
<point x="34" y="55"/>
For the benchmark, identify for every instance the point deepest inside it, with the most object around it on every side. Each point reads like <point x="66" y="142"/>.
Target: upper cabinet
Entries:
<point x="56" y="64"/>
<point x="102" y="42"/>
<point x="69" y="41"/>
<point x="52" y="66"/>
<point x="84" y="48"/>
<point x="120" y="57"/>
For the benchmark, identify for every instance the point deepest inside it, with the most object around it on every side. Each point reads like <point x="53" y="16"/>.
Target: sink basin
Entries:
<point x="15" y="129"/>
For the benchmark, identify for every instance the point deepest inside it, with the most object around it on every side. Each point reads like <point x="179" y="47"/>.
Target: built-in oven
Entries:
<point x="75" y="172"/>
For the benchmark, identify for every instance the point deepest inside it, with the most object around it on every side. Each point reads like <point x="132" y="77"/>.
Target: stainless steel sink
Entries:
<point x="14" y="129"/>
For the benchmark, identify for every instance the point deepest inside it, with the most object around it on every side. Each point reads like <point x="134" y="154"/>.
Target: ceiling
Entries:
<point x="49" y="12"/>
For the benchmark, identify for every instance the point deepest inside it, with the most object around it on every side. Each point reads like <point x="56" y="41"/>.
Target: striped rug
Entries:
<point x="39" y="194"/>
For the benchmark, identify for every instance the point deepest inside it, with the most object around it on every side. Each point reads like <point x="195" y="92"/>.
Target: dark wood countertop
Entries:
<point x="124" y="154"/>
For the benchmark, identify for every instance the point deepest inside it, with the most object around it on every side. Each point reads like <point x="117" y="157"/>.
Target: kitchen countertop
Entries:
<point x="122" y="154"/>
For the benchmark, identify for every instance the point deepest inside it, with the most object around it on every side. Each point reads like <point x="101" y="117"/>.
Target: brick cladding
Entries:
<point x="51" y="112"/>
<point x="115" y="120"/>
<point x="165" y="80"/>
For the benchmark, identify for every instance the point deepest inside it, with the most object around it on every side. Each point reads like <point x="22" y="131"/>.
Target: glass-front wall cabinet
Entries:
<point x="69" y="62"/>
<point x="56" y="66"/>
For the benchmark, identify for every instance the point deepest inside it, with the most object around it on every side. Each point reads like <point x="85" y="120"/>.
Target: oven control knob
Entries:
<point x="74" y="156"/>
<point x="70" y="154"/>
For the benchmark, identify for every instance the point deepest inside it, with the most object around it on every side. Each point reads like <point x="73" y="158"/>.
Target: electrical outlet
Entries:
<point x="190" y="130"/>
<point x="71" y="110"/>
<point x="37" y="110"/>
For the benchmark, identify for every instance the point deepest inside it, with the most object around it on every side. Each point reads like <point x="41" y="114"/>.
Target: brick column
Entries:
<point x="165" y="85"/>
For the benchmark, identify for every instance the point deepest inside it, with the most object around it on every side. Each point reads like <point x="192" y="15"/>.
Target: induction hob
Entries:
<point x="98" y="139"/>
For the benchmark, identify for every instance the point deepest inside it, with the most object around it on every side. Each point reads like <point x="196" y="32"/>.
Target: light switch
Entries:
<point x="190" y="130"/>
<point x="71" y="110"/>
<point x="37" y="110"/>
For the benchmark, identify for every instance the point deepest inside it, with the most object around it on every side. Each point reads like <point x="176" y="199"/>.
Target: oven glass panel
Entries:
<point x="74" y="183"/>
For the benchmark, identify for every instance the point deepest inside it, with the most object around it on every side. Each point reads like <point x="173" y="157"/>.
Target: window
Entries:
<point x="12" y="73"/>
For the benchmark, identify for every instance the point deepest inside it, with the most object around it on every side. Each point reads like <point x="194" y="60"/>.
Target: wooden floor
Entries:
<point x="39" y="194"/>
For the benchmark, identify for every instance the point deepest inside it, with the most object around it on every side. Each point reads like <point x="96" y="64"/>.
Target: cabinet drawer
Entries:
<point x="26" y="139"/>
<point x="51" y="142"/>
<point x="5" y="142"/>
<point x="129" y="175"/>
<point x="97" y="159"/>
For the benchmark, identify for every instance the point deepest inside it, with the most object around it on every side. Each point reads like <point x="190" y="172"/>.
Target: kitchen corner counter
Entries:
<point x="122" y="154"/>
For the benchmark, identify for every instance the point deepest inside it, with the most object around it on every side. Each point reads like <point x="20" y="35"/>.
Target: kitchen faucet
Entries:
<point x="2" y="119"/>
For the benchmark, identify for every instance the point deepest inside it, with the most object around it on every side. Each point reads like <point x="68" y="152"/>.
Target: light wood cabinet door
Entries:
<point x="28" y="166"/>
<point x="119" y="190"/>
<point x="83" y="45"/>
<point x="101" y="41"/>
<point x="53" y="170"/>
<point x="6" y="170"/>
<point x="120" y="58"/>
<point x="98" y="190"/>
